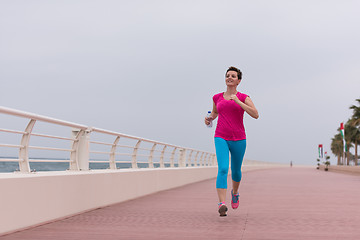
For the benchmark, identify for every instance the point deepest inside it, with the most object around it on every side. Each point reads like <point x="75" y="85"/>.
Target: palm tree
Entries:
<point x="355" y="122"/>
<point x="337" y="146"/>
<point x="351" y="135"/>
<point x="356" y="113"/>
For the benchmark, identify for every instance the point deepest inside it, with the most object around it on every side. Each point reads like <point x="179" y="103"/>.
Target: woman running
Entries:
<point x="230" y="135"/>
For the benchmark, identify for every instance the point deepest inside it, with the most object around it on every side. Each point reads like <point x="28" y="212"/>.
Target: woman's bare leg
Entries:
<point x="235" y="187"/>
<point x="221" y="194"/>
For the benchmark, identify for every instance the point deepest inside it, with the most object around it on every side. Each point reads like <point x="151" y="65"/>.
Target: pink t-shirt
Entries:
<point x="230" y="125"/>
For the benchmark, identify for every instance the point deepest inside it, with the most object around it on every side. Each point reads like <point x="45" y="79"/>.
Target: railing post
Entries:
<point x="182" y="157"/>
<point x="151" y="162"/>
<point x="189" y="158"/>
<point x="204" y="159"/>
<point x="24" y="165"/>
<point x="162" y="165"/>
<point x="75" y="134"/>
<point x="172" y="157"/>
<point x="208" y="160"/>
<point x="134" y="163"/>
<point x="112" y="153"/>
<point x="201" y="159"/>
<point x="196" y="159"/>
<point x="214" y="160"/>
<point x="83" y="150"/>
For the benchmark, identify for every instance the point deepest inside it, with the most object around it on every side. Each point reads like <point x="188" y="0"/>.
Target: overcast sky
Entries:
<point x="150" y="68"/>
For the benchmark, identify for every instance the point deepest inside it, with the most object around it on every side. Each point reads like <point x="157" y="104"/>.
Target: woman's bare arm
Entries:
<point x="248" y="106"/>
<point x="213" y="115"/>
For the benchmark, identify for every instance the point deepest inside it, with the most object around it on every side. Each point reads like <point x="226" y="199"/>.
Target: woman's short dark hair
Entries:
<point x="239" y="73"/>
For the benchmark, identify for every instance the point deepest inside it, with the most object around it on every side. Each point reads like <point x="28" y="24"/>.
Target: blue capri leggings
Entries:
<point x="237" y="150"/>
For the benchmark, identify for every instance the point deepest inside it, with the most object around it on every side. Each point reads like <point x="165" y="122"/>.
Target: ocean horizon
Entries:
<point x="6" y="167"/>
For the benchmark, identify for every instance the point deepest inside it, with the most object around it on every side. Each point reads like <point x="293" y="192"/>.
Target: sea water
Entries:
<point x="61" y="166"/>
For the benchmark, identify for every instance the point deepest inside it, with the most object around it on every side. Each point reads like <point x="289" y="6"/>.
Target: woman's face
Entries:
<point x="231" y="78"/>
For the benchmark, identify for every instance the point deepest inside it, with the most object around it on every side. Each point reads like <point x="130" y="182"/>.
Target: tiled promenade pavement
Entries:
<point x="283" y="203"/>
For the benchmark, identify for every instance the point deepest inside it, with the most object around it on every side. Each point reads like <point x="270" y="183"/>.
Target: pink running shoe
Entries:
<point x="222" y="209"/>
<point x="234" y="200"/>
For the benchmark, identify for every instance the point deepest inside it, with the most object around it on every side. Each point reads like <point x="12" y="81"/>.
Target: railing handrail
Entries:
<point x="40" y="118"/>
<point x="79" y="158"/>
<point x="95" y="129"/>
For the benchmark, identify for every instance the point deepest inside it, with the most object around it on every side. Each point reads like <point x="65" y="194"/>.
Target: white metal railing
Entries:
<point x="155" y="153"/>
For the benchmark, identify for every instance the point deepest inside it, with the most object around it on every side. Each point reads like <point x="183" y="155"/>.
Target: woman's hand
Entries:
<point x="208" y="120"/>
<point x="213" y="115"/>
<point x="235" y="98"/>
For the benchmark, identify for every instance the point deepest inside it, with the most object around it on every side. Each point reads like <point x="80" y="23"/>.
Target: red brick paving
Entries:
<point x="284" y="203"/>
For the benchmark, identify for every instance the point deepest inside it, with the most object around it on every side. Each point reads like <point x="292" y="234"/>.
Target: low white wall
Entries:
<point x="31" y="199"/>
